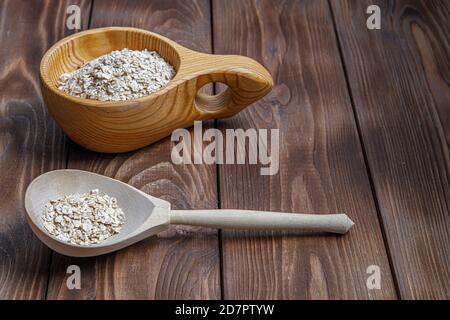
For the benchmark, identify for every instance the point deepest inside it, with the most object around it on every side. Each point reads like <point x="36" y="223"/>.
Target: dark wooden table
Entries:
<point x="364" y="119"/>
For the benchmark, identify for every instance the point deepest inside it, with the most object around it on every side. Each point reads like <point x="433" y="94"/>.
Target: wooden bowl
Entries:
<point x="119" y="126"/>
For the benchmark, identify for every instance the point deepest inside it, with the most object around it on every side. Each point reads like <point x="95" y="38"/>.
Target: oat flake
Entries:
<point x="83" y="219"/>
<point x="120" y="75"/>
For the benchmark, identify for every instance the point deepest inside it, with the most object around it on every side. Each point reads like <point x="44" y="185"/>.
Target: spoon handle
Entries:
<point x="250" y="219"/>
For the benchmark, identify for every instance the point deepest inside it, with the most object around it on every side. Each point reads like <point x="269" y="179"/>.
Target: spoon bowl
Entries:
<point x="146" y="215"/>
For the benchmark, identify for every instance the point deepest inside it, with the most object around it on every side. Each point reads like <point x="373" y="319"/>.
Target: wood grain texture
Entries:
<point x="321" y="162"/>
<point x="399" y="80"/>
<point x="30" y="142"/>
<point x="120" y="126"/>
<point x="180" y="263"/>
<point x="430" y="29"/>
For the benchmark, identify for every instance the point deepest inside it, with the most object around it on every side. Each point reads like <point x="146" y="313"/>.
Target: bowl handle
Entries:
<point x="247" y="81"/>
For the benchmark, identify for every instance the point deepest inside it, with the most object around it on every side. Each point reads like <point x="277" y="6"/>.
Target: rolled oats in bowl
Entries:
<point x="83" y="219"/>
<point x="120" y="75"/>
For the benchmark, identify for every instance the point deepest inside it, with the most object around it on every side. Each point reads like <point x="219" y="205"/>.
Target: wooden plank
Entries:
<point x="183" y="262"/>
<point x="429" y="34"/>
<point x="30" y="142"/>
<point x="321" y="162"/>
<point x="398" y="82"/>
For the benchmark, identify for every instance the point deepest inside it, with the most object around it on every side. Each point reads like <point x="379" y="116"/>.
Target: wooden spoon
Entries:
<point x="147" y="215"/>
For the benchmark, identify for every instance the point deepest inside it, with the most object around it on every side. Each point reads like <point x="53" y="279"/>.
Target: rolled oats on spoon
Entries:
<point x="83" y="219"/>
